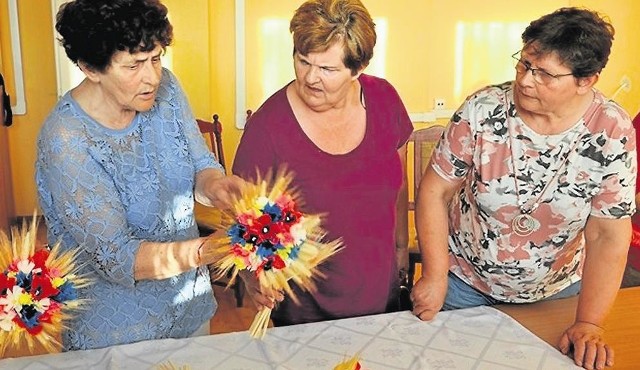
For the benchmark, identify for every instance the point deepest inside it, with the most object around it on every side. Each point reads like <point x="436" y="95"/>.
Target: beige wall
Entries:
<point x="203" y="59"/>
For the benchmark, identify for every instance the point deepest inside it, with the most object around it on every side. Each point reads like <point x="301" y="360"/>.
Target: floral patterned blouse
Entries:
<point x="588" y="170"/>
<point x="105" y="191"/>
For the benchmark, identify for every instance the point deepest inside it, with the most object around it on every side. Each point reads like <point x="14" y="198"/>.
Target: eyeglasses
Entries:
<point x="540" y="76"/>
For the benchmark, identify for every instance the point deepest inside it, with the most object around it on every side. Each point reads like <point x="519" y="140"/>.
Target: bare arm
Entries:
<point x="607" y="244"/>
<point x="432" y="224"/>
<point x="162" y="260"/>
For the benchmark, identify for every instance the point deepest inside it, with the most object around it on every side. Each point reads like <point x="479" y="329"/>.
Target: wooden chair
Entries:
<point x="424" y="141"/>
<point x="213" y="133"/>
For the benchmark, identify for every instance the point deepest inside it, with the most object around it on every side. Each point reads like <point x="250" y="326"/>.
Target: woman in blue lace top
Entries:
<point x="120" y="163"/>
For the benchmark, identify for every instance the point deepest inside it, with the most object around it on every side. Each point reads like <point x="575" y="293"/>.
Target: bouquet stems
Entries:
<point x="260" y="323"/>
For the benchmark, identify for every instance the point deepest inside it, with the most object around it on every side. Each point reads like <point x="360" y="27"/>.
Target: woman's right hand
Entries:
<point x="427" y="296"/>
<point x="224" y="190"/>
<point x="215" y="189"/>
<point x="260" y="299"/>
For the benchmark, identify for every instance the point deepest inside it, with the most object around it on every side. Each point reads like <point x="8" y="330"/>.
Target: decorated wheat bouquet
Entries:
<point x="268" y="236"/>
<point x="351" y="364"/>
<point x="37" y="289"/>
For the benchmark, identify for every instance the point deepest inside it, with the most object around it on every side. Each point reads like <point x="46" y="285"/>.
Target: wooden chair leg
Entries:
<point x="238" y="291"/>
<point x="414" y="259"/>
<point x="410" y="273"/>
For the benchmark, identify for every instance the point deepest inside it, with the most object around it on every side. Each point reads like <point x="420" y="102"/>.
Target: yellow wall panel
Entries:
<point x="190" y="51"/>
<point x="40" y="93"/>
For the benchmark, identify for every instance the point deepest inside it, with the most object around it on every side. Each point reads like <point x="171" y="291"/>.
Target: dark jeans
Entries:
<point x="462" y="295"/>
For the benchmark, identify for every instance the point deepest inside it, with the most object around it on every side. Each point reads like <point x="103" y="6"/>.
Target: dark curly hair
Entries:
<point x="581" y="38"/>
<point x="91" y="31"/>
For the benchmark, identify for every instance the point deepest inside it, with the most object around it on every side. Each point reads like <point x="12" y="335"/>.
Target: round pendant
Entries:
<point x="524" y="224"/>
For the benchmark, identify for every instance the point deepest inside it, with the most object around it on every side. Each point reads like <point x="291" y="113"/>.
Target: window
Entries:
<point x="482" y="52"/>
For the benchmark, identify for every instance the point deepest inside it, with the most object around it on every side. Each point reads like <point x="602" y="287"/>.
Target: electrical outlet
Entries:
<point x="438" y="104"/>
<point x="625" y="83"/>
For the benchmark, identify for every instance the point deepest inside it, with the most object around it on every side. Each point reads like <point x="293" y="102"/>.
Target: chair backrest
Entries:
<point x="424" y="141"/>
<point x="213" y="131"/>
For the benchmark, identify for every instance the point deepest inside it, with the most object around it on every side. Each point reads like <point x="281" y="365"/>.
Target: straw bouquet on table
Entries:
<point x="269" y="236"/>
<point x="37" y="290"/>
<point x="171" y="366"/>
<point x="351" y="364"/>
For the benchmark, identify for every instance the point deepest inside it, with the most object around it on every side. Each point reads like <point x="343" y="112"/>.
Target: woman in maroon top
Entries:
<point x="343" y="134"/>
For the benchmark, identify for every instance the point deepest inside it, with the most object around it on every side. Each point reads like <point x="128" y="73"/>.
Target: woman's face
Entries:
<point x="543" y="97"/>
<point x="131" y="80"/>
<point x="322" y="79"/>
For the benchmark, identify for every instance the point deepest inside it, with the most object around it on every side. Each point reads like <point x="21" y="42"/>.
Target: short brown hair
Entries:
<point x="318" y="24"/>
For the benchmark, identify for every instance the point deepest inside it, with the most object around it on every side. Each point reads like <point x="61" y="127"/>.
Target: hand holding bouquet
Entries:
<point x="268" y="236"/>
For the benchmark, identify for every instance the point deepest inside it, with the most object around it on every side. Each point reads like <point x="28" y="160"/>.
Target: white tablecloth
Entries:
<point x="476" y="338"/>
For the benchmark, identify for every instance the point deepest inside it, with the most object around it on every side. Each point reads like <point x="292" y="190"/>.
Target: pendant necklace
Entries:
<point x="525" y="223"/>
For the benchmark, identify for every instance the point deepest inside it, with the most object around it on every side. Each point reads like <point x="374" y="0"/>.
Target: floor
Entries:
<point x="228" y="317"/>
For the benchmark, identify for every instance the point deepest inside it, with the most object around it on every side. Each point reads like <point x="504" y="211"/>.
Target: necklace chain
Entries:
<point x="522" y="204"/>
<point x="524" y="224"/>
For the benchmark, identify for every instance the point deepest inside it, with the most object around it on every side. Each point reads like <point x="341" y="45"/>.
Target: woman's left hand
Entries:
<point x="583" y="341"/>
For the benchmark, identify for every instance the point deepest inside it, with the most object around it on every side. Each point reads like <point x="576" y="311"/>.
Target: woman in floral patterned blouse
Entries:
<point x="530" y="191"/>
<point x="120" y="162"/>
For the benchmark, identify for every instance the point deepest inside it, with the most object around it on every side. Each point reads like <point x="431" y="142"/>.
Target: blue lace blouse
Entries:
<point x="103" y="192"/>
